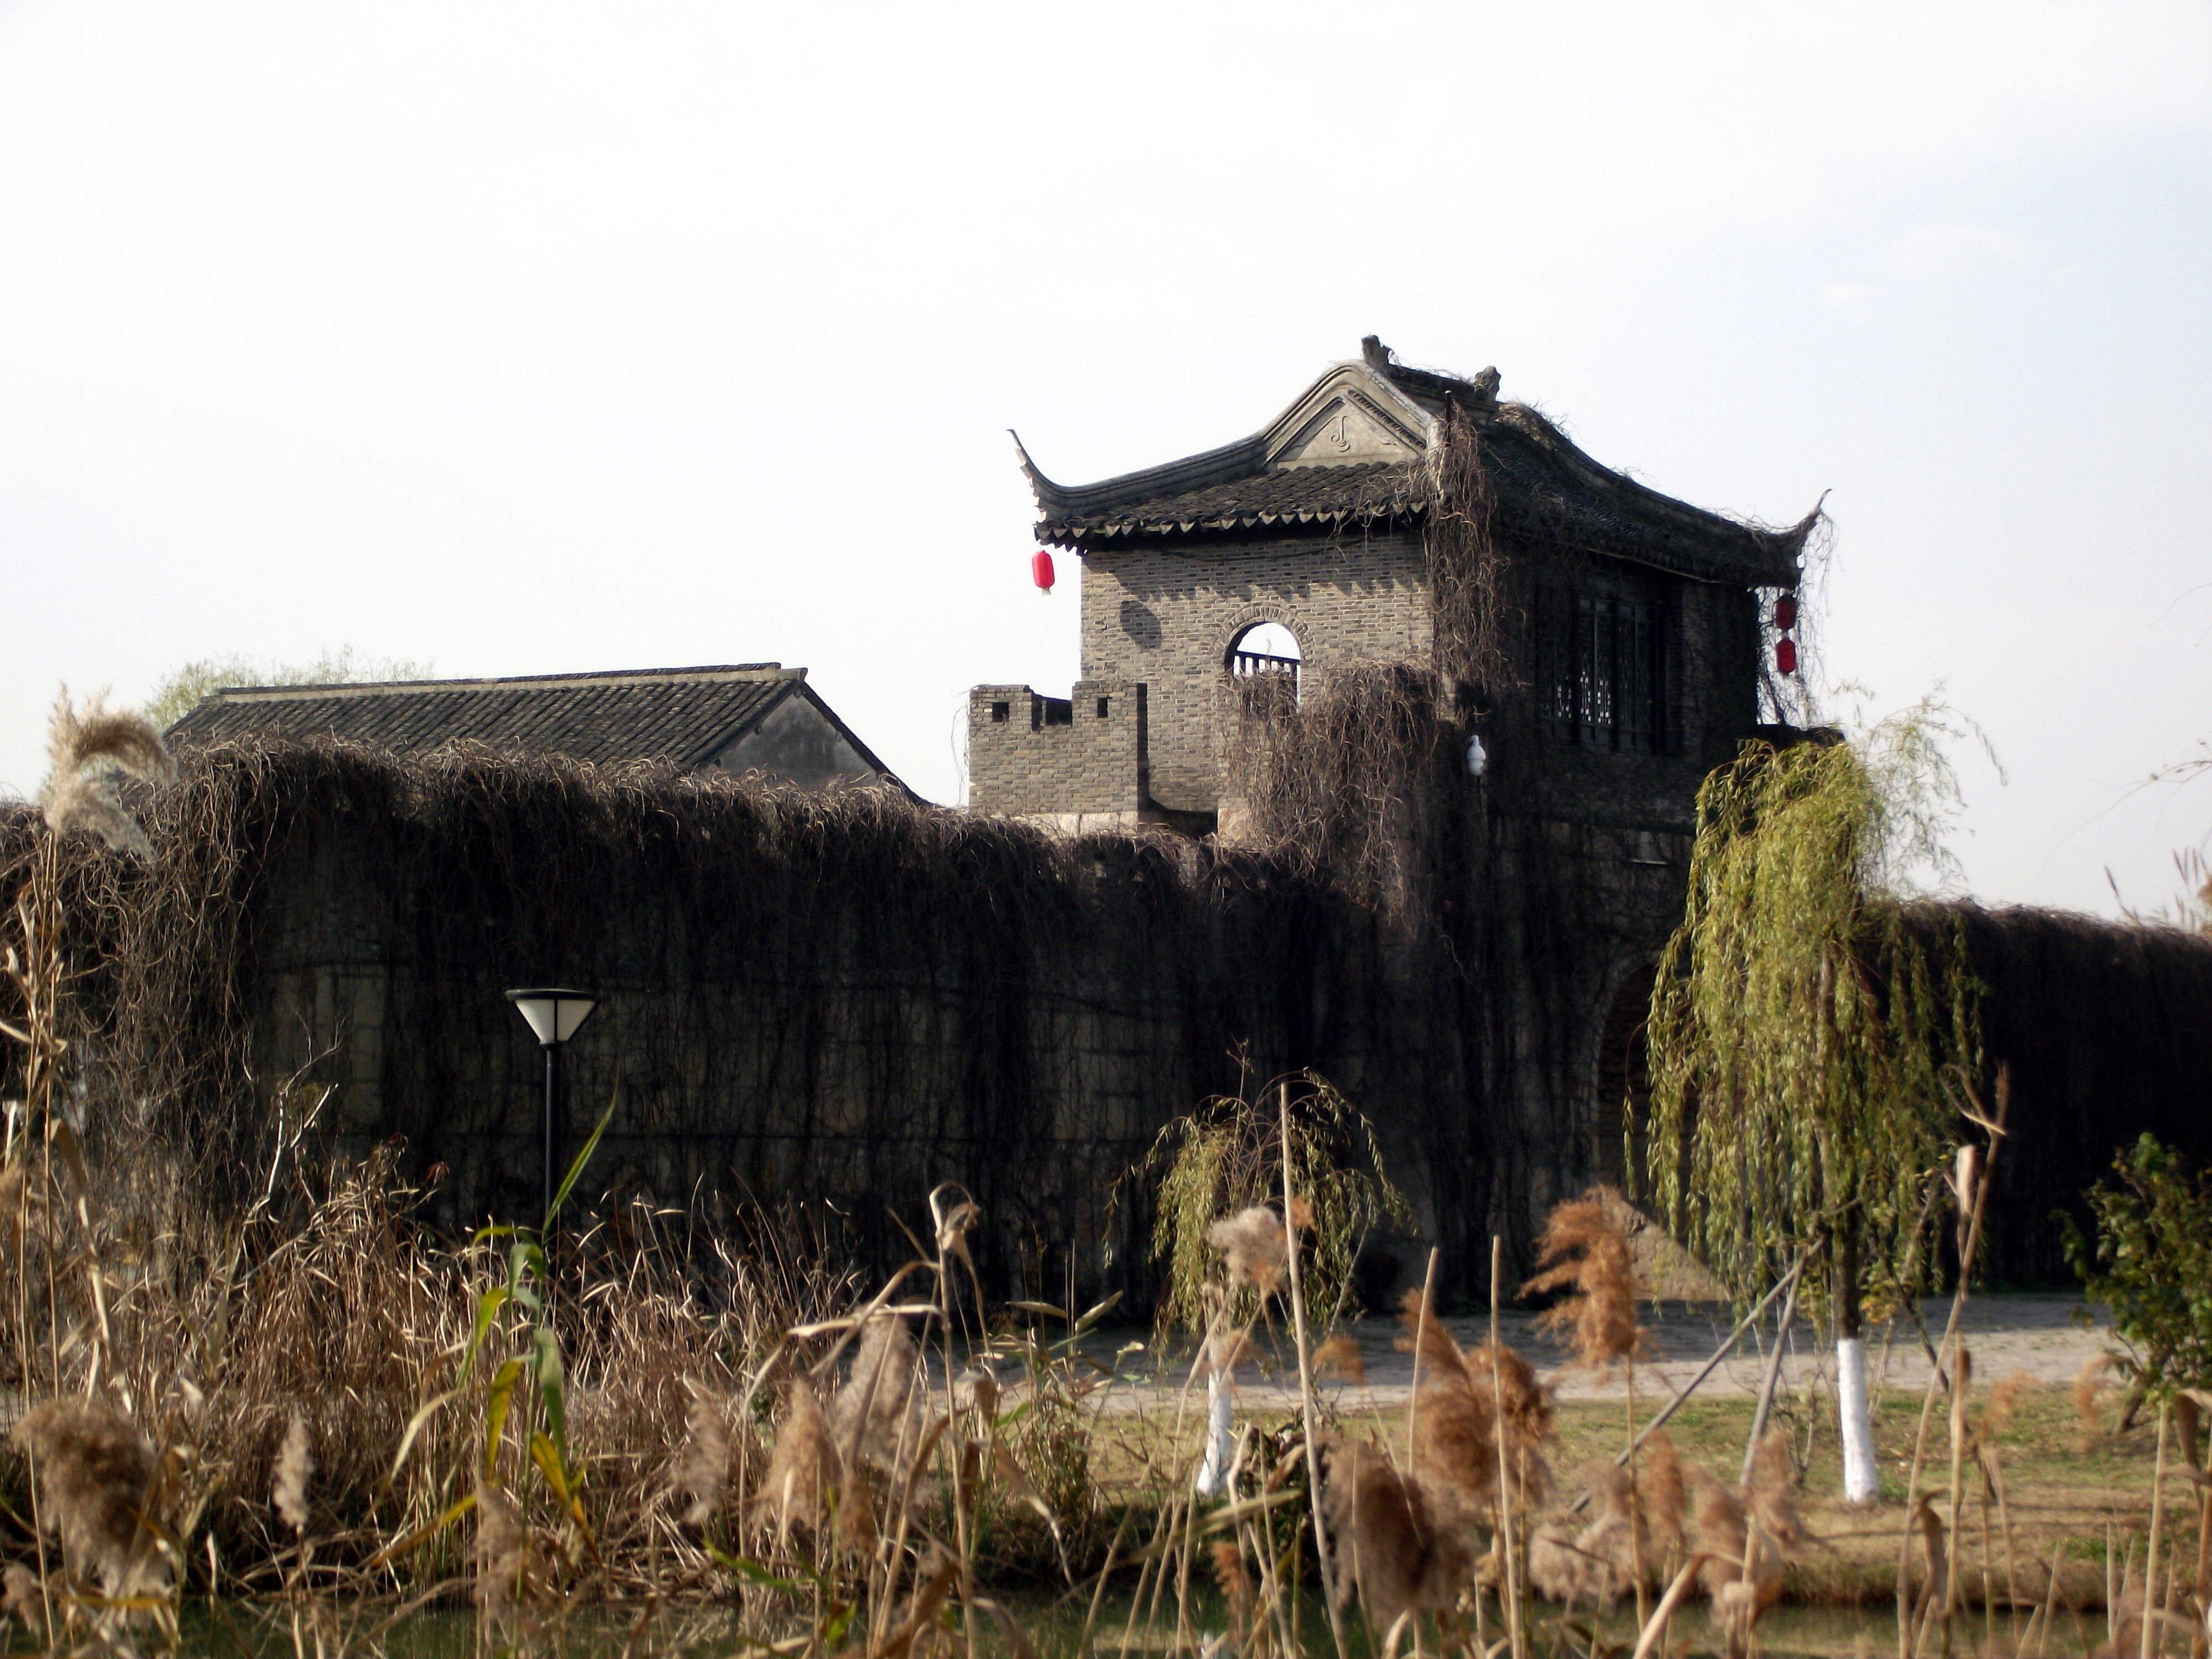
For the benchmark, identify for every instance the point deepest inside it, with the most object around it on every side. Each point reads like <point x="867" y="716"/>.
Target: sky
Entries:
<point x="540" y="338"/>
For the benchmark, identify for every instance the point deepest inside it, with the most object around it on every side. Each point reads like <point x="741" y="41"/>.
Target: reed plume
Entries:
<point x="19" y="1595"/>
<point x="702" y="1465"/>
<point x="2004" y="1399"/>
<point x="1254" y="1246"/>
<point x="1339" y="1357"/>
<point x="1405" y="1555"/>
<point x="1768" y="1494"/>
<point x="1529" y="1417"/>
<point x="1526" y="1426"/>
<point x="86" y="746"/>
<point x="1584" y="1252"/>
<point x="96" y="1471"/>
<point x="499" y="1548"/>
<point x="807" y="1475"/>
<point x="1236" y="1584"/>
<point x="878" y="1414"/>
<point x="2089" y="1385"/>
<point x="1663" y="1495"/>
<point x="295" y="1467"/>
<point x="1455" y="1451"/>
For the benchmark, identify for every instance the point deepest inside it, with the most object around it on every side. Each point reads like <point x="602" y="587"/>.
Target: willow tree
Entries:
<point x="1809" y="1029"/>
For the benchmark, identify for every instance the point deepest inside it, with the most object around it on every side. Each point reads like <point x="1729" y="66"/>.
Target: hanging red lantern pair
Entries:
<point x="1785" y="648"/>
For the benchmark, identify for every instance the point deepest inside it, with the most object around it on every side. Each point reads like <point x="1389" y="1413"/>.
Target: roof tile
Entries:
<point x="686" y="715"/>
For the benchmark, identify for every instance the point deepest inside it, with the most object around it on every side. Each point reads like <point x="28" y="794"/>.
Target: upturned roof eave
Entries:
<point x="1080" y="518"/>
<point x="1774" y="564"/>
<point x="1226" y="464"/>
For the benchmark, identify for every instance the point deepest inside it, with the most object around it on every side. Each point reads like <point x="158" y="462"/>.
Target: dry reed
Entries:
<point x="295" y="1466"/>
<point x="1584" y="1251"/>
<point x="1255" y="1246"/>
<point x="1339" y="1357"/>
<point x="86" y="746"/>
<point x="701" y="1474"/>
<point x="2090" y="1384"/>
<point x="1404" y="1553"/>
<point x="96" y="1476"/>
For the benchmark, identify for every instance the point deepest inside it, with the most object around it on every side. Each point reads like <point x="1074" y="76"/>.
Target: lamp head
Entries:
<point x="555" y="1012"/>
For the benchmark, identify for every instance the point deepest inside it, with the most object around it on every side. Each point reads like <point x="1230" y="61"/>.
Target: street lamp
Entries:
<point x="554" y="1015"/>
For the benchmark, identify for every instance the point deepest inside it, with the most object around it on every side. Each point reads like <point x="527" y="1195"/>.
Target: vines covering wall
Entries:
<point x="849" y="999"/>
<point x="2106" y="1028"/>
<point x="1467" y="597"/>
<point x="840" y="997"/>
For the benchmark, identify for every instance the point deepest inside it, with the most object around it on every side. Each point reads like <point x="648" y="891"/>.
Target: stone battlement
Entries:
<point x="1077" y="761"/>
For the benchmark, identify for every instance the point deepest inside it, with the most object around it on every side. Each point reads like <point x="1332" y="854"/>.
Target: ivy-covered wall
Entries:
<point x="850" y="999"/>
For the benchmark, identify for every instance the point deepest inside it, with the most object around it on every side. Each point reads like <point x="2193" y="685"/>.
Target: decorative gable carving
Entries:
<point x="1347" y="419"/>
<point x="1341" y="435"/>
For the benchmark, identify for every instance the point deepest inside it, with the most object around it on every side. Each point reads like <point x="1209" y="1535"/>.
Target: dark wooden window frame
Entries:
<point x="1603" y="662"/>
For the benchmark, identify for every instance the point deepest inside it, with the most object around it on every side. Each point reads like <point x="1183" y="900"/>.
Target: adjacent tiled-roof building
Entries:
<point x="749" y="718"/>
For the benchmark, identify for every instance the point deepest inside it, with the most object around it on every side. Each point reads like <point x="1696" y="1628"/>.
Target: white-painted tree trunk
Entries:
<point x="1220" y="1436"/>
<point x="1860" y="1479"/>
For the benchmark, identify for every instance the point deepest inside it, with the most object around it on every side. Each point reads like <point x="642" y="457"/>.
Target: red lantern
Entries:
<point x="1040" y="570"/>
<point x="1786" y="656"/>
<point x="1785" y="612"/>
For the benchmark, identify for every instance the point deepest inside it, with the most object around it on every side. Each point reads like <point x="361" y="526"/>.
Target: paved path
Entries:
<point x="2007" y="1332"/>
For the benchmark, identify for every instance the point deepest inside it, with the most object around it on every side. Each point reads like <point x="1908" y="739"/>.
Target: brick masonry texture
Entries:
<point x="1170" y="619"/>
<point x="1021" y="764"/>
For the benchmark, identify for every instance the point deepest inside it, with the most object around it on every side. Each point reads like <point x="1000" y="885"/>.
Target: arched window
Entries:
<point x="1266" y="648"/>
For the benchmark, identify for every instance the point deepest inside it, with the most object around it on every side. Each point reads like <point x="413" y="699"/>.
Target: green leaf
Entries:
<point x="526" y="1260"/>
<point x="415" y="1427"/>
<point x="583" y="1156"/>
<point x="487" y="1307"/>
<point x="552" y="1385"/>
<point x="459" y="1507"/>
<point x="547" y="1457"/>
<point x="497" y="1401"/>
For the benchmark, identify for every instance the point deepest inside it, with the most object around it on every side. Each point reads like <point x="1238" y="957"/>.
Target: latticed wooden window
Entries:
<point x="1601" y="670"/>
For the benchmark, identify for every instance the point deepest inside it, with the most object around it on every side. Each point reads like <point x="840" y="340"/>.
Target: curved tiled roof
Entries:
<point x="1292" y="495"/>
<point x="1547" y="489"/>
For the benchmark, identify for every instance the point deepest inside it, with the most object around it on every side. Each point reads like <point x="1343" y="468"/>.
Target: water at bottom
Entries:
<point x="1055" y="1627"/>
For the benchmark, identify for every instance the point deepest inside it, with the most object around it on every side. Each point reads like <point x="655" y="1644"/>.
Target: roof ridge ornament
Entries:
<point x="1378" y="355"/>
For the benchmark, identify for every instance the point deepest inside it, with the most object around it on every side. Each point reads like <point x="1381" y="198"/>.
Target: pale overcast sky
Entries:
<point x="543" y="336"/>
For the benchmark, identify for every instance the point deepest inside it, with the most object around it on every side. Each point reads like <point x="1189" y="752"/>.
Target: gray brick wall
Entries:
<point x="1169" y="619"/>
<point x="1022" y="764"/>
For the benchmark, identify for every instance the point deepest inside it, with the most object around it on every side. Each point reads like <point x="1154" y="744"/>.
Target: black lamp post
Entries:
<point x="555" y="1015"/>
